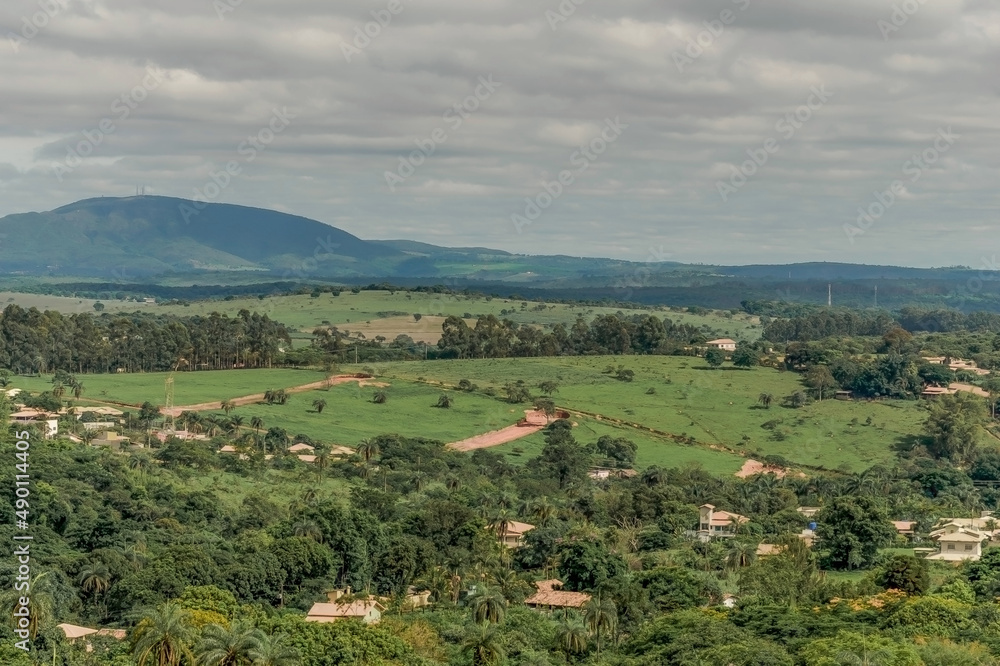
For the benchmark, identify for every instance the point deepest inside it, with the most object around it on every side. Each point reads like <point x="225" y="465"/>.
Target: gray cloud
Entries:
<point x="656" y="185"/>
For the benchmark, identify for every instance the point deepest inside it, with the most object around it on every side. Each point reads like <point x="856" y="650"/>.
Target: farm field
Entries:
<point x="716" y="407"/>
<point x="189" y="387"/>
<point x="385" y="313"/>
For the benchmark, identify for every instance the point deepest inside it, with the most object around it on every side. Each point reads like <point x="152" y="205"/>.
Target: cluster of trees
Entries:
<point x="606" y="334"/>
<point x="177" y="546"/>
<point x="38" y="342"/>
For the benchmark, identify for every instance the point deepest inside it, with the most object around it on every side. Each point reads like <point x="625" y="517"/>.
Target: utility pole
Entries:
<point x="829" y="295"/>
<point x="355" y="353"/>
<point x="876" y="296"/>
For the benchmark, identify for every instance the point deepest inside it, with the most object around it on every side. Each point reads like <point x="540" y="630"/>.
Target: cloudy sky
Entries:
<point x="651" y="112"/>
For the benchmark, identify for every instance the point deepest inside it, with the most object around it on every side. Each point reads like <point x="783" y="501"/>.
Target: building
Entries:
<point x="604" y="473"/>
<point x="110" y="439"/>
<point x="725" y="344"/>
<point x="951" y="389"/>
<point x="768" y="549"/>
<point x="957" y="543"/>
<point x="808" y="511"/>
<point x="513" y="533"/>
<point x="718" y="524"/>
<point x="905" y="527"/>
<point x="301" y="448"/>
<point x="551" y="595"/>
<point x="368" y="611"/>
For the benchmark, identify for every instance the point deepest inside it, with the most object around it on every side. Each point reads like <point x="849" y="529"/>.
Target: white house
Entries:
<point x="715" y="524"/>
<point x="725" y="344"/>
<point x="957" y="542"/>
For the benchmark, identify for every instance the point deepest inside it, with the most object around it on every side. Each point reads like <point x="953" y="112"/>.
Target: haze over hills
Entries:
<point x="148" y="237"/>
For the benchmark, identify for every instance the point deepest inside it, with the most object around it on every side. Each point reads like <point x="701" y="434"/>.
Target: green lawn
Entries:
<point x="716" y="407"/>
<point x="189" y="387"/>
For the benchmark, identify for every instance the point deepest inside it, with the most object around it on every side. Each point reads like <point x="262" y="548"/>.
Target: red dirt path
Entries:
<point x="532" y="422"/>
<point x="333" y="380"/>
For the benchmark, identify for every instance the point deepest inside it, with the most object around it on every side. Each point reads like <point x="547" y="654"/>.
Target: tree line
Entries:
<point x="42" y="342"/>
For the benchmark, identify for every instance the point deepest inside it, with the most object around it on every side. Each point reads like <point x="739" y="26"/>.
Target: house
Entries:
<point x="808" y="511"/>
<point x="905" y="527"/>
<point x="844" y="395"/>
<point x="306" y="458"/>
<point x="729" y="601"/>
<point x="716" y="524"/>
<point x="604" y="473"/>
<point x="957" y="543"/>
<point x="110" y="438"/>
<point x="301" y="448"/>
<point x="725" y="344"/>
<point x="513" y="533"/>
<point x="99" y="425"/>
<point x="551" y="595"/>
<point x="72" y="632"/>
<point x="368" y="611"/>
<point x="768" y="549"/>
<point x="951" y="389"/>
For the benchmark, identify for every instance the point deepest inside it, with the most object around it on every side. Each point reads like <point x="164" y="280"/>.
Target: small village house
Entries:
<point x="550" y="595"/>
<point x="718" y="524"/>
<point x="512" y="533"/>
<point x="725" y="344"/>
<point x="956" y="543"/>
<point x="337" y="608"/>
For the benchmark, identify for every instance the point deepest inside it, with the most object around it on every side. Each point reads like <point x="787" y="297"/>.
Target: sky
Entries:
<point x="713" y="131"/>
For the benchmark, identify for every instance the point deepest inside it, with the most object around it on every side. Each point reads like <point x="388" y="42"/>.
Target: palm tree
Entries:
<point x="482" y="643"/>
<point x="213" y="425"/>
<point x="41" y="603"/>
<point x="765" y="399"/>
<point x="234" y="423"/>
<point x="58" y="390"/>
<point x="161" y="638"/>
<point x="229" y="646"/>
<point x="572" y="637"/>
<point x="600" y="614"/>
<point x="322" y="459"/>
<point x="95" y="579"/>
<point x="544" y="510"/>
<point x="740" y="555"/>
<point x="310" y="529"/>
<point x="380" y="397"/>
<point x="77" y="390"/>
<point x="256" y="423"/>
<point x="319" y="404"/>
<point x="489" y="606"/>
<point x="273" y="651"/>
<point x="228" y="406"/>
<point x="368" y="449"/>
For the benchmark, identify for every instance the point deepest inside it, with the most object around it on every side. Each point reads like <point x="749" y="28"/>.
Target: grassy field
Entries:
<point x="680" y="396"/>
<point x="189" y="387"/>
<point x="395" y="311"/>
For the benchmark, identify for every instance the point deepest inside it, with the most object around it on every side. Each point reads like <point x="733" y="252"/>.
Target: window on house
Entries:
<point x="968" y="546"/>
<point x="951" y="546"/>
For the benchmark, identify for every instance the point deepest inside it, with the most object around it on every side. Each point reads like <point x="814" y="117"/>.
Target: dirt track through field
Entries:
<point x="532" y="422"/>
<point x="332" y="380"/>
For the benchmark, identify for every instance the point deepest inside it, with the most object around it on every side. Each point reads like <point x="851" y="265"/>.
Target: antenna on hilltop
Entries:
<point x="829" y="295"/>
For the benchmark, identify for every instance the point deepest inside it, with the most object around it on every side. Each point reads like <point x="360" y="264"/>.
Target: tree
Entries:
<point x="545" y="405"/>
<point x="746" y="356"/>
<point x="368" y="449"/>
<point x="600" y="614"/>
<point x="484" y="646"/>
<point x="256" y="423"/>
<point x="78" y="389"/>
<point x="488" y="605"/>
<point x="228" y="406"/>
<point x="274" y="651"/>
<point x="417" y="316"/>
<point x="819" y="378"/>
<point x="95" y="579"/>
<point x="98" y="307"/>
<point x="852" y="648"/>
<point x="765" y="399"/>
<point x="562" y="458"/>
<point x="319" y="405"/>
<point x="952" y="425"/>
<point x="445" y="401"/>
<point x="229" y="646"/>
<point x="380" y="397"/>
<point x="622" y="451"/>
<point x="572" y="637"/>
<point x="905" y="573"/>
<point x="161" y="638"/>
<point x="548" y="387"/>
<point x="715" y="357"/>
<point x="851" y="530"/>
<point x="740" y="555"/>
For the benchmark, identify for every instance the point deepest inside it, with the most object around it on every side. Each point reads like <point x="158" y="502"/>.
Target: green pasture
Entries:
<point x="189" y="387"/>
<point x="716" y="407"/>
<point x="305" y="312"/>
<point x="350" y="415"/>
